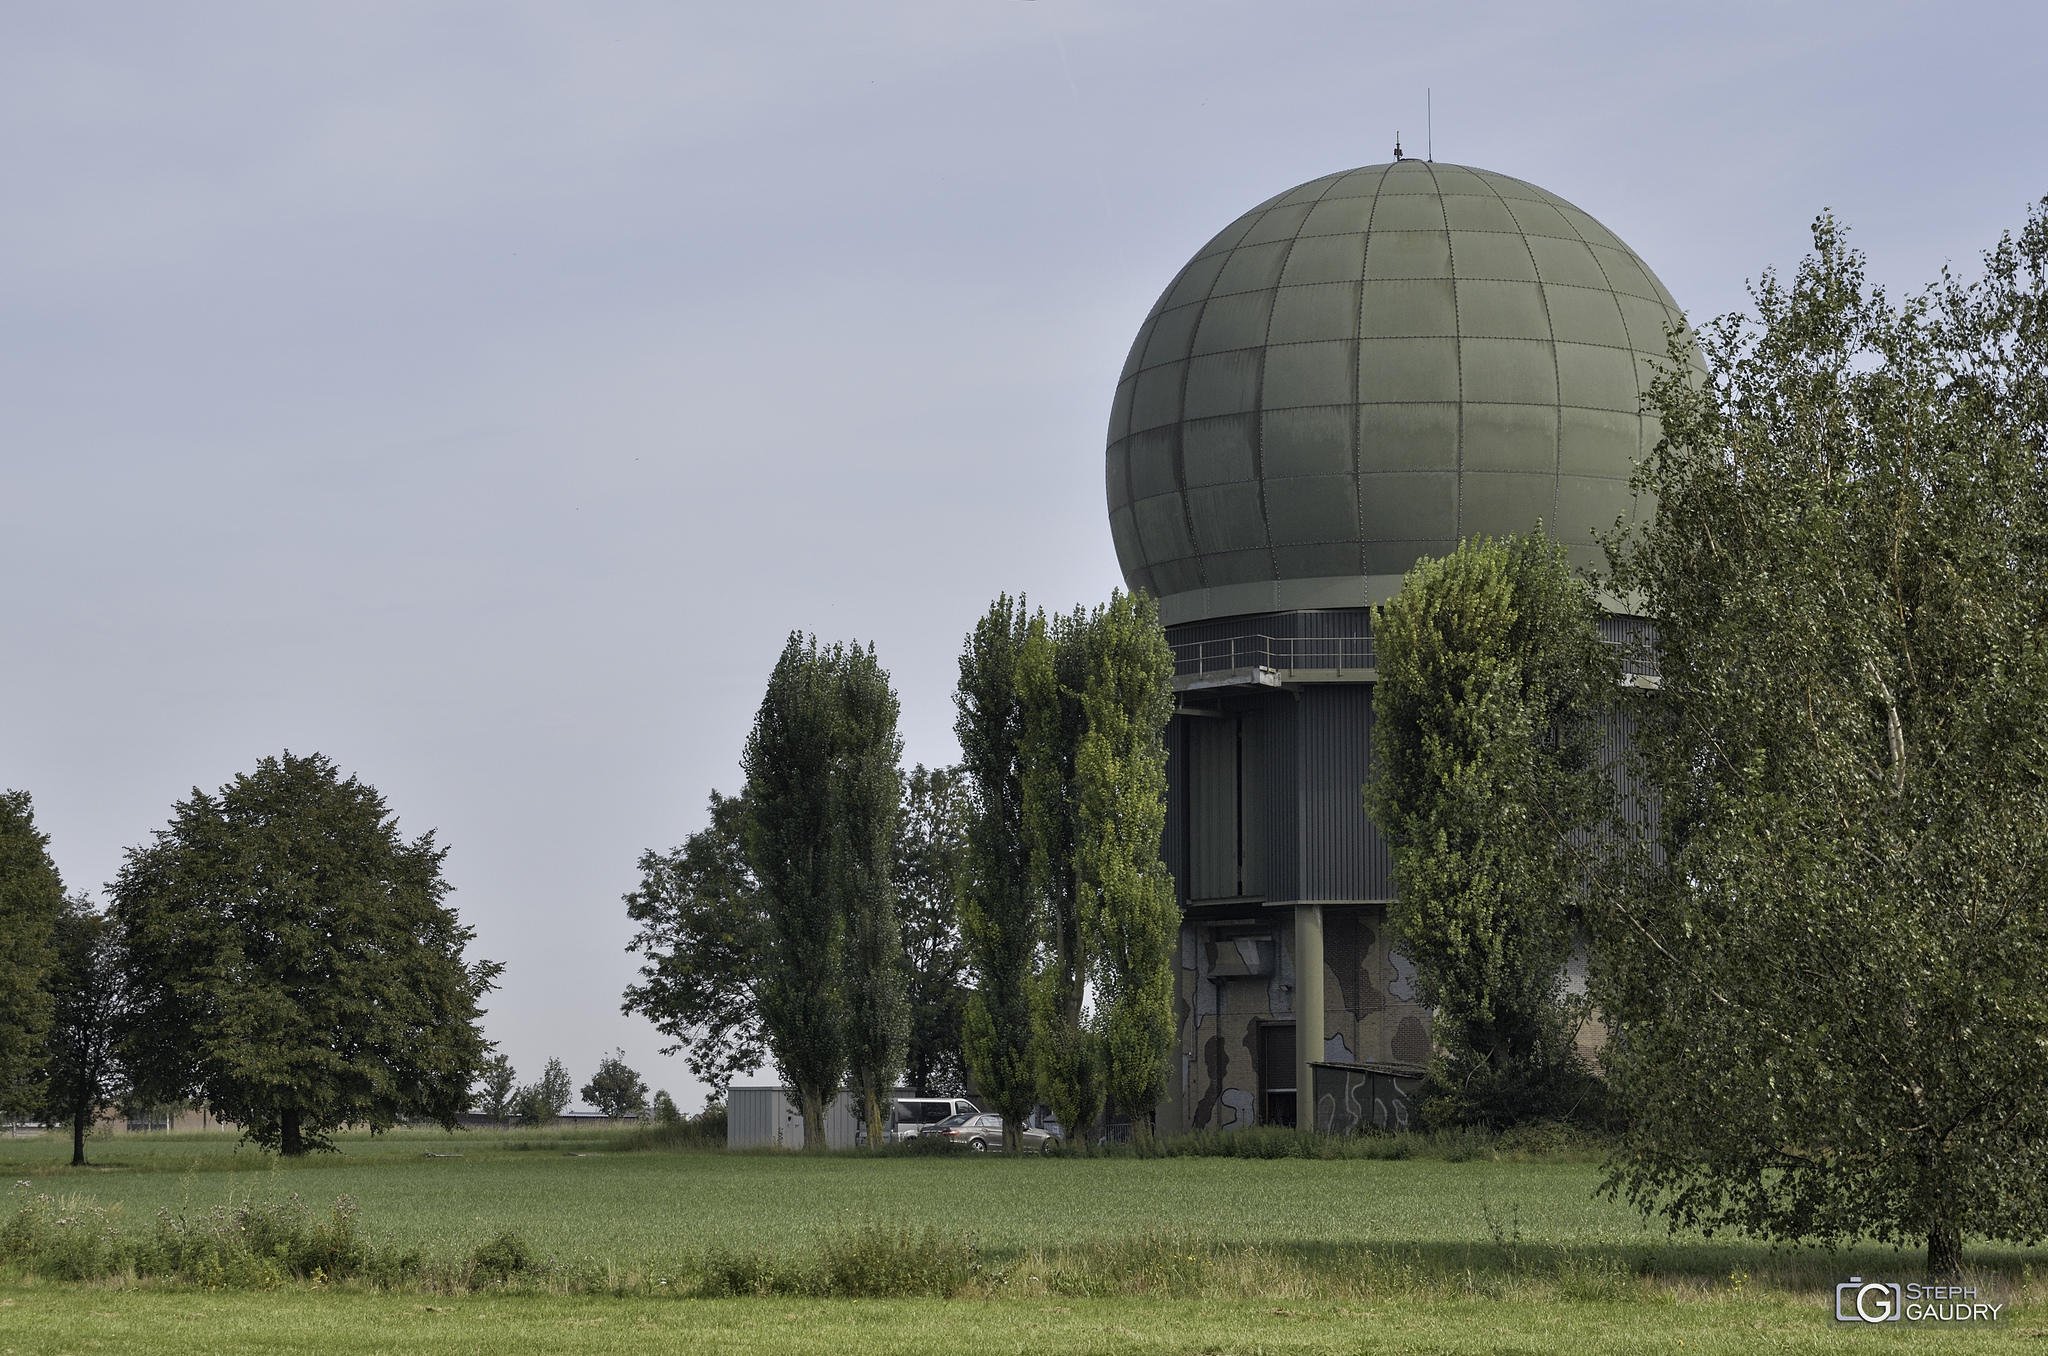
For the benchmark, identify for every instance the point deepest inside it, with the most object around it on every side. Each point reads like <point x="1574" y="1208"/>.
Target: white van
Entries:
<point x="910" y="1117"/>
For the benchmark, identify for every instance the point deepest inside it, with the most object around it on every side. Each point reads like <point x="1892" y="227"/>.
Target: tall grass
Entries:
<point x="278" y="1243"/>
<point x="1546" y="1140"/>
<point x="253" y="1245"/>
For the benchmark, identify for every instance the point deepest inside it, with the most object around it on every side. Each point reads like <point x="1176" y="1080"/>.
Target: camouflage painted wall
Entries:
<point x="1237" y="975"/>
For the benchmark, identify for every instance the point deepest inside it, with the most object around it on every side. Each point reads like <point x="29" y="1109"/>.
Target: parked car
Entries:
<point x="983" y="1133"/>
<point x="910" y="1117"/>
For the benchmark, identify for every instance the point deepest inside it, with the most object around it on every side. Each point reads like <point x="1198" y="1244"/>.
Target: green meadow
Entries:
<point x="1497" y="1252"/>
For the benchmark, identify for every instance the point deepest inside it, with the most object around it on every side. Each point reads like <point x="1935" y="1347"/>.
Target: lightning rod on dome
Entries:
<point x="1429" y="124"/>
<point x="1397" y="145"/>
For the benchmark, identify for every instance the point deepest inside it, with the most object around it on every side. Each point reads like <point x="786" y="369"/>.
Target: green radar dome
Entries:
<point x="1368" y="368"/>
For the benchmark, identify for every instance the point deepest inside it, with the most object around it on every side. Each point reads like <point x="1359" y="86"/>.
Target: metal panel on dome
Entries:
<point x="1383" y="359"/>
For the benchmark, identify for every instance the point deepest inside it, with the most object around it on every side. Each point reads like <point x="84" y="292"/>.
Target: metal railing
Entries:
<point x="1332" y="654"/>
<point x="1338" y="654"/>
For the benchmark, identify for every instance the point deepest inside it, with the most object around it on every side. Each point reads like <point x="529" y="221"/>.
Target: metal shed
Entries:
<point x="768" y="1118"/>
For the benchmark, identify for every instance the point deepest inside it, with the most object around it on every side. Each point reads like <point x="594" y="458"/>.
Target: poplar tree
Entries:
<point x="1125" y="893"/>
<point x="1824" y="961"/>
<point x="1487" y="784"/>
<point x="292" y="961"/>
<point x="998" y="913"/>
<point x="31" y="898"/>
<point x="867" y="799"/>
<point x="931" y="868"/>
<point x="1053" y="671"/>
<point x="789" y="761"/>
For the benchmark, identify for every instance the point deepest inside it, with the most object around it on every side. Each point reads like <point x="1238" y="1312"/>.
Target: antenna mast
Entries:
<point x="1429" y="133"/>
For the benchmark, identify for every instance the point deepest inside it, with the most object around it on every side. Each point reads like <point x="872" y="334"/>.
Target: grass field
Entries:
<point x="1182" y="1254"/>
<point x="50" y="1320"/>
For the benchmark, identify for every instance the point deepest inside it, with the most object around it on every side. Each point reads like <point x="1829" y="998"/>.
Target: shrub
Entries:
<point x="672" y="1130"/>
<point x="256" y="1245"/>
<point x="502" y="1258"/>
<point x="66" y="1240"/>
<point x="880" y="1261"/>
<point x="1277" y="1141"/>
<point x="1168" y="1265"/>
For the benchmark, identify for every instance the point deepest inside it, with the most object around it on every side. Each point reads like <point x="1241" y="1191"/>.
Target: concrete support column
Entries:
<point x="1308" y="1009"/>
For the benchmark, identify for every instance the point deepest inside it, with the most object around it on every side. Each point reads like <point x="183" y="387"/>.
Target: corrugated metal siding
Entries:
<point x="1331" y="623"/>
<point x="767" y="1118"/>
<point x="1280" y="788"/>
<point x="1173" y="848"/>
<point x="1212" y="807"/>
<point x="1251" y="804"/>
<point x="761" y="1118"/>
<point x="1346" y="857"/>
<point x="1637" y="809"/>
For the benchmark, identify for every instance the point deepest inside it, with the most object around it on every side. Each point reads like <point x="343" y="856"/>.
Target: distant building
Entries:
<point x="1357" y="373"/>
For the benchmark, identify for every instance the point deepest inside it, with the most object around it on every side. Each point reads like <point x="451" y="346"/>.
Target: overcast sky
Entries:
<point x="479" y="393"/>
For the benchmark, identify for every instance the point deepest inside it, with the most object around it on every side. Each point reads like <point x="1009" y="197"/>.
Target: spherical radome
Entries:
<point x="1368" y="368"/>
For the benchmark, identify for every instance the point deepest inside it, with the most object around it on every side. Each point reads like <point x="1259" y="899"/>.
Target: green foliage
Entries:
<point x="877" y="1260"/>
<point x="931" y="869"/>
<point x="615" y="1089"/>
<point x="1125" y="893"/>
<point x="789" y="761"/>
<point x="673" y="1131"/>
<point x="824" y="796"/>
<point x="259" y="1245"/>
<point x="497" y="1087"/>
<point x="542" y="1102"/>
<point x="867" y="798"/>
<point x="1053" y="668"/>
<point x="1823" y="957"/>
<point x="1061" y="725"/>
<point x="998" y="913"/>
<point x="501" y="1258"/>
<point x="291" y="960"/>
<point x="1269" y="1142"/>
<point x="704" y="933"/>
<point x="1487" y="784"/>
<point x="641" y="1224"/>
<point x="81" y="1067"/>
<point x="31" y="899"/>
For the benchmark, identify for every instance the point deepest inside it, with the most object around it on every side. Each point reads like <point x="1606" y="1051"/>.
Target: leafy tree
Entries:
<point x="1824" y="962"/>
<point x="81" y="1069"/>
<point x="291" y="961"/>
<point x="998" y="913"/>
<point x="497" y="1087"/>
<point x="544" y="1102"/>
<point x="704" y="934"/>
<point x="789" y="760"/>
<point x="615" y="1089"/>
<point x="867" y="796"/>
<point x="31" y="900"/>
<point x="1053" y="669"/>
<point x="1487" y="783"/>
<point x="931" y="863"/>
<point x="1125" y="892"/>
<point x="665" y="1109"/>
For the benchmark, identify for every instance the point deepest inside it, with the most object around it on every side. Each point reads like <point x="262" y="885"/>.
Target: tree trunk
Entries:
<point x="1944" y="1251"/>
<point x="79" y="1116"/>
<point x="872" y="1107"/>
<point x="813" y="1103"/>
<point x="292" y="1144"/>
